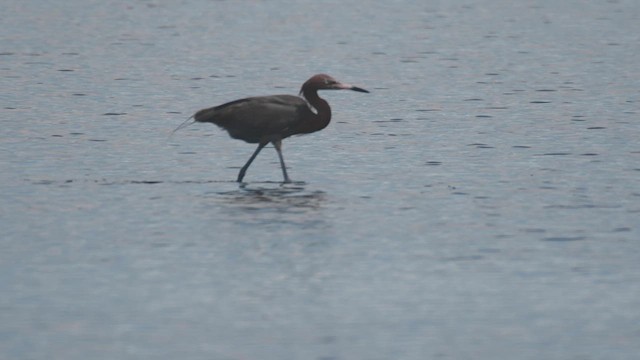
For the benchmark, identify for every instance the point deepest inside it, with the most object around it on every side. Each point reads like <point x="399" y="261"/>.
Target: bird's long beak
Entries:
<point x="342" y="86"/>
<point x="358" y="89"/>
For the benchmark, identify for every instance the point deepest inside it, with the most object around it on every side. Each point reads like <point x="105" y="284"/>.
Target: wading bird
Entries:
<point x="269" y="119"/>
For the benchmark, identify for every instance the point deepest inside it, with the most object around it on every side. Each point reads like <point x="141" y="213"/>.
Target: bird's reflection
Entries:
<point x="271" y="202"/>
<point x="291" y="196"/>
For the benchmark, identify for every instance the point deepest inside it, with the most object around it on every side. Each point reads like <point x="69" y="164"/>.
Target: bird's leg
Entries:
<point x="246" y="166"/>
<point x="278" y="145"/>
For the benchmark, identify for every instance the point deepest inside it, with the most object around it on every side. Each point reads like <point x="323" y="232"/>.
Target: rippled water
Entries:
<point x="482" y="202"/>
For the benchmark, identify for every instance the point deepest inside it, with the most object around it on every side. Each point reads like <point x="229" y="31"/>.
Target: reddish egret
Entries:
<point x="269" y="119"/>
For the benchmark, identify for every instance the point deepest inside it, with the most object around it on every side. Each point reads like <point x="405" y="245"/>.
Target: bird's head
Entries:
<point x="326" y="82"/>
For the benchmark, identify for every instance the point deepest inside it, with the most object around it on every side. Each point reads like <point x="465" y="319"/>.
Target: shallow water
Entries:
<point x="482" y="202"/>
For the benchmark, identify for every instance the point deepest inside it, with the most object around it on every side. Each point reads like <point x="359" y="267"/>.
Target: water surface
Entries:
<point x="482" y="202"/>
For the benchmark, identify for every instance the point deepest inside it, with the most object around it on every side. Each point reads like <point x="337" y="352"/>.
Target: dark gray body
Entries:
<point x="260" y="119"/>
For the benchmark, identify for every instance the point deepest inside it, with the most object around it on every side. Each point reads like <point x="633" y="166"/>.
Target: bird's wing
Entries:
<point x="258" y="118"/>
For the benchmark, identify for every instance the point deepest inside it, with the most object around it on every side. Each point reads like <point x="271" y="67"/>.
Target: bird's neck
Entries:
<point x="323" y="112"/>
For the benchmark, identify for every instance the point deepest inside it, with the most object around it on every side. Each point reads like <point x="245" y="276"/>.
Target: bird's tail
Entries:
<point x="189" y="121"/>
<point x="209" y="115"/>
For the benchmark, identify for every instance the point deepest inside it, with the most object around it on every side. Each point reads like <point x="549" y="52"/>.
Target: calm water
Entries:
<point x="483" y="202"/>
